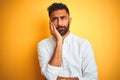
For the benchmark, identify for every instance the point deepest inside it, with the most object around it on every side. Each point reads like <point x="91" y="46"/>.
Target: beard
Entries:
<point x="63" y="29"/>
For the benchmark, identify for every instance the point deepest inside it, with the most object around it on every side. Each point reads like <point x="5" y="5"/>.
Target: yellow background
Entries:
<point x="25" y="22"/>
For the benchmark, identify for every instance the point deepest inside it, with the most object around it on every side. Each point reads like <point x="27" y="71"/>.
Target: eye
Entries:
<point x="54" y="19"/>
<point x="63" y="17"/>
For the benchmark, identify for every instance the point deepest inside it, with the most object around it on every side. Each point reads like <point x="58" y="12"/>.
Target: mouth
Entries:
<point x="61" y="29"/>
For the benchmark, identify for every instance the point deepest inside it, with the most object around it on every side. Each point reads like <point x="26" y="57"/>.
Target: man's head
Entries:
<point x="60" y="17"/>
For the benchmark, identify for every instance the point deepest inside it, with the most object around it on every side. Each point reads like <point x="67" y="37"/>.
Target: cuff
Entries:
<point x="53" y="69"/>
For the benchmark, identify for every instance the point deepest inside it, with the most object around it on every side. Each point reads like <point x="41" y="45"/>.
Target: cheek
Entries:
<point x="66" y="23"/>
<point x="55" y="23"/>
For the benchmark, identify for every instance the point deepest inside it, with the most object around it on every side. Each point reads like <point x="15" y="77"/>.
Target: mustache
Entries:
<point x="60" y="27"/>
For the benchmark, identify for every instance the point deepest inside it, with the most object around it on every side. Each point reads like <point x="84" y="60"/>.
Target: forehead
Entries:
<point x="58" y="13"/>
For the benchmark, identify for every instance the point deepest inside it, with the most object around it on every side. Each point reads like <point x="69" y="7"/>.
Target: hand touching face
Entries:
<point x="61" y="20"/>
<point x="54" y="32"/>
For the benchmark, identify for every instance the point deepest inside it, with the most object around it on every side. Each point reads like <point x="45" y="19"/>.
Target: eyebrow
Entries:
<point x="62" y="16"/>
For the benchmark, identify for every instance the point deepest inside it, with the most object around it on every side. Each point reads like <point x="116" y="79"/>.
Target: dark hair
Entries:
<point x="57" y="6"/>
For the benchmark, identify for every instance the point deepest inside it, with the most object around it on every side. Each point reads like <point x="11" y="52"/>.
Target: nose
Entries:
<point x="59" y="22"/>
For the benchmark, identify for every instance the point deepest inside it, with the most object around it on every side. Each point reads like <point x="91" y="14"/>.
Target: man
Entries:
<point x="65" y="56"/>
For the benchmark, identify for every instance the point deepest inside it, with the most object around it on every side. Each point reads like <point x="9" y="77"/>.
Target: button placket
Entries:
<point x="64" y="52"/>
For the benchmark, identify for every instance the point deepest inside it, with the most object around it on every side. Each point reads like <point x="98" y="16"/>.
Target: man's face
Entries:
<point x="61" y="20"/>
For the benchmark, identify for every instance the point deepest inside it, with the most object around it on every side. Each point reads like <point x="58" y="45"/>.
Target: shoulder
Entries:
<point x="45" y="41"/>
<point x="80" y="40"/>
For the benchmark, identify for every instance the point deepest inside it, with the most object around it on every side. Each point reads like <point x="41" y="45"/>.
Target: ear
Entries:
<point x="70" y="19"/>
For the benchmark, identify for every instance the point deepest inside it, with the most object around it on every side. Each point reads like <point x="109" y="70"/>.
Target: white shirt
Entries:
<point x="77" y="59"/>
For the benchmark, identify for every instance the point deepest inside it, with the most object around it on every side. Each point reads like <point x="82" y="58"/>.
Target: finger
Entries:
<point x="51" y="28"/>
<point x="54" y="27"/>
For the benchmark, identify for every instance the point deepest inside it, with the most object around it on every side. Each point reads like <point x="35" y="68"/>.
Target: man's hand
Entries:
<point x="56" y="59"/>
<point x="55" y="33"/>
<point x="67" y="78"/>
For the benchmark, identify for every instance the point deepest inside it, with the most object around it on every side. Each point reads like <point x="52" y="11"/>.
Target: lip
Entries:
<point x="61" y="28"/>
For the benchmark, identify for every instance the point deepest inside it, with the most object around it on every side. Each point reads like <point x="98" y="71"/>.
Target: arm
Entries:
<point x="56" y="59"/>
<point x="51" y="68"/>
<point x="89" y="68"/>
<point x="50" y="72"/>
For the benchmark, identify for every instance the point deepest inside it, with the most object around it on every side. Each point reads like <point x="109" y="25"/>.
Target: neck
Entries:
<point x="65" y="35"/>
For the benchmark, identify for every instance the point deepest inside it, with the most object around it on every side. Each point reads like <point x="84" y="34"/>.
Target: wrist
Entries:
<point x="59" y="42"/>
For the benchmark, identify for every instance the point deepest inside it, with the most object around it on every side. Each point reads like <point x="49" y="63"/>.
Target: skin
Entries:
<point x="59" y="18"/>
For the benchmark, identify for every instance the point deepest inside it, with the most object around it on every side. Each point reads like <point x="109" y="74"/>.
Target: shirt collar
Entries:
<point x="68" y="37"/>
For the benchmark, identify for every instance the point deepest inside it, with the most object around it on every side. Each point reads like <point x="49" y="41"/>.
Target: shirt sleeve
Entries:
<point x="50" y="72"/>
<point x="89" y="68"/>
